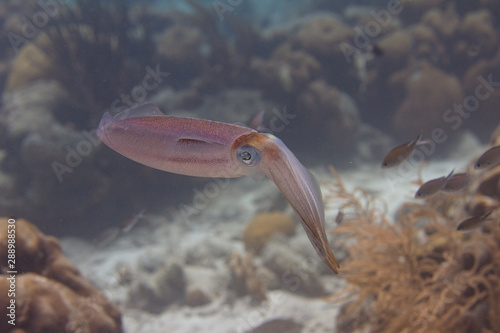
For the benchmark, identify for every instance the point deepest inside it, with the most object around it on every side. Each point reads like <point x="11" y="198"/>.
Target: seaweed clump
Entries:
<point x="418" y="274"/>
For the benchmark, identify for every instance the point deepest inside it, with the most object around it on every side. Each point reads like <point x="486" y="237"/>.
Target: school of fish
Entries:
<point x="453" y="182"/>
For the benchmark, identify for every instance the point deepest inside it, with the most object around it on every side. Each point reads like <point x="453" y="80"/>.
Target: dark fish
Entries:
<point x="377" y="51"/>
<point x="473" y="222"/>
<point x="131" y="222"/>
<point x="490" y="158"/>
<point x="401" y="153"/>
<point x="456" y="182"/>
<point x="432" y="186"/>
<point x="340" y="217"/>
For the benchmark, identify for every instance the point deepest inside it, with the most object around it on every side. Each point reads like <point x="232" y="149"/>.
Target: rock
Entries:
<point x="429" y="93"/>
<point x="171" y="283"/>
<point x="180" y="47"/>
<point x="154" y="293"/>
<point x="278" y="325"/>
<point x="50" y="287"/>
<point x="287" y="72"/>
<point x="297" y="273"/>
<point x="244" y="279"/>
<point x="329" y="115"/>
<point x="197" y="297"/>
<point x="484" y="112"/>
<point x="425" y="44"/>
<point x="396" y="47"/>
<point x="322" y="37"/>
<point x="478" y="28"/>
<point x="45" y="305"/>
<point x="263" y="226"/>
<point x="444" y="22"/>
<point x="413" y="10"/>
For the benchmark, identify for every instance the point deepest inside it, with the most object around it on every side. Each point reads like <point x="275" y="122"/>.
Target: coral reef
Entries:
<point x="322" y="37"/>
<point x="85" y="48"/>
<point x="51" y="293"/>
<point x="485" y="117"/>
<point x="429" y="92"/>
<point x="332" y="74"/>
<point x="419" y="273"/>
<point x="57" y="172"/>
<point x="48" y="306"/>
<point x="287" y="72"/>
<point x="263" y="226"/>
<point x="181" y="49"/>
<point x="331" y="115"/>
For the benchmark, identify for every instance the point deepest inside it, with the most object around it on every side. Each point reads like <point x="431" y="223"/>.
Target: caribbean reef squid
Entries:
<point x="205" y="148"/>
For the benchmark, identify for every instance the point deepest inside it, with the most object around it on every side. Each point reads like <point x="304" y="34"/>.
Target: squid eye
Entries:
<point x="248" y="155"/>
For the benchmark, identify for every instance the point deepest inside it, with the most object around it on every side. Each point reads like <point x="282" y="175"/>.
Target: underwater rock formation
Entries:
<point x="483" y="75"/>
<point x="287" y="72"/>
<point x="196" y="297"/>
<point x="330" y="116"/>
<point x="183" y="51"/>
<point x="413" y="10"/>
<point x="322" y="38"/>
<point x="154" y="293"/>
<point x="58" y="172"/>
<point x="429" y="93"/>
<point x="51" y="293"/>
<point x="263" y="226"/>
<point x="444" y="22"/>
<point x="53" y="167"/>
<point x="297" y="273"/>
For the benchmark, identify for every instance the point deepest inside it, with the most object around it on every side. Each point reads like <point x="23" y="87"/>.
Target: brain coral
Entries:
<point x="51" y="295"/>
<point x="429" y="92"/>
<point x="263" y="226"/>
<point x="322" y="37"/>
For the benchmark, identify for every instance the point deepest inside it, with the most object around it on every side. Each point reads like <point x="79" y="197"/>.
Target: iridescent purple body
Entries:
<point x="205" y="148"/>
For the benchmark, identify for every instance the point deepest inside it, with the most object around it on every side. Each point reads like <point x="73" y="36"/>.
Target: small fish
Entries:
<point x="106" y="237"/>
<point x="129" y="223"/>
<point x="401" y="153"/>
<point x="376" y="50"/>
<point x="432" y="186"/>
<point x="456" y="182"/>
<point x="340" y="217"/>
<point x="490" y="158"/>
<point x="473" y="222"/>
